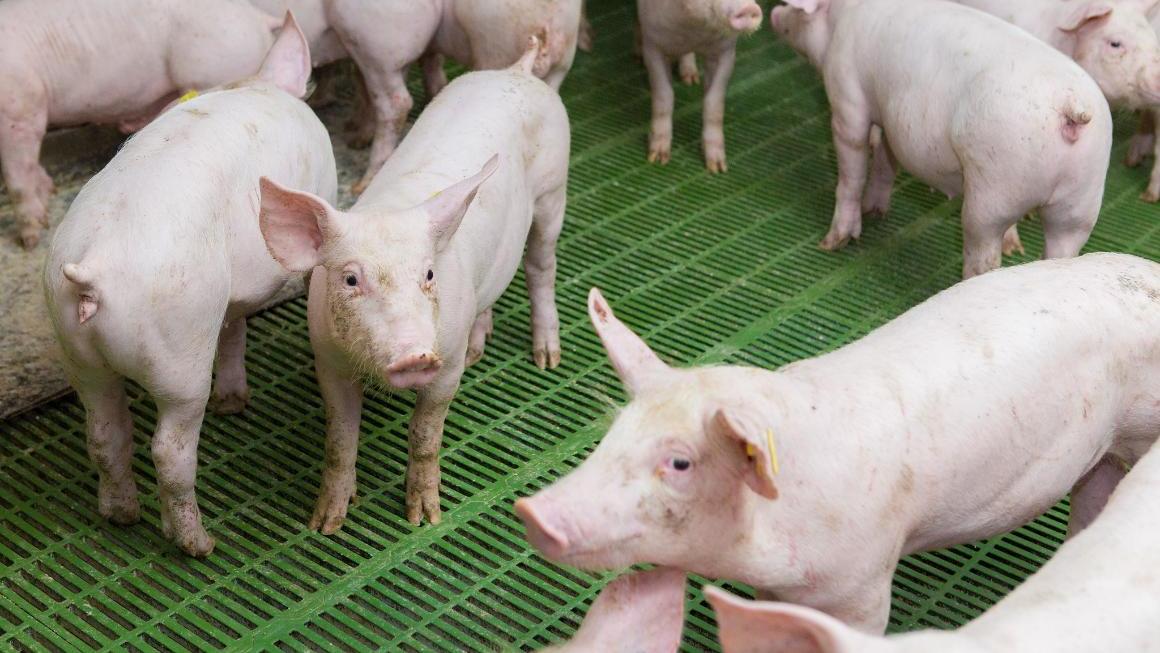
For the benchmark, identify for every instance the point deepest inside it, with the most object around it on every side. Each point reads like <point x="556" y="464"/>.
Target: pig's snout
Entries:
<point x="775" y="19"/>
<point x="747" y="18"/>
<point x="542" y="535"/>
<point x="413" y="370"/>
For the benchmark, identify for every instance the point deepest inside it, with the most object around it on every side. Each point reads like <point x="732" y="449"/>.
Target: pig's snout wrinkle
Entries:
<point x="549" y="541"/>
<point x="747" y="18"/>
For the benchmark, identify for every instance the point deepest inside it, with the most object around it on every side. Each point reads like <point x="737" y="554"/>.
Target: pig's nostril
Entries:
<point x="415" y="363"/>
<point x="542" y="535"/>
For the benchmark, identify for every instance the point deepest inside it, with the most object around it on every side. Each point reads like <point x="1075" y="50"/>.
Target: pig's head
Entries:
<point x="805" y="25"/>
<point x="1119" y="48"/>
<point x="726" y="16"/>
<point x="759" y="626"/>
<point x="675" y="480"/>
<point x="381" y="271"/>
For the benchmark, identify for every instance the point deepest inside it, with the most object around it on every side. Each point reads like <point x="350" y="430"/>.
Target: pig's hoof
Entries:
<point x="1012" y="244"/>
<point x="546" y="352"/>
<point x="876" y="205"/>
<point x="1138" y="150"/>
<point x="119" y="505"/>
<point x="715" y="163"/>
<point x="659" y="152"/>
<point x="329" y="514"/>
<point x="30" y="237"/>
<point x="229" y="404"/>
<point x="833" y="242"/>
<point x="359" y="186"/>
<point x="197" y="544"/>
<point x="474" y="355"/>
<point x="1151" y="196"/>
<point x="424" y="504"/>
<point x="122" y="515"/>
<point x="690" y="77"/>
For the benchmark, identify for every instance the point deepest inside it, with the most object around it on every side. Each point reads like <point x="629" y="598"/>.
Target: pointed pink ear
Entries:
<point x="642" y="612"/>
<point x="446" y="209"/>
<point x="808" y="6"/>
<point x="760" y="626"/>
<point x="754" y="441"/>
<point x="1087" y="16"/>
<point x="287" y="64"/>
<point x="294" y="224"/>
<point x="632" y="359"/>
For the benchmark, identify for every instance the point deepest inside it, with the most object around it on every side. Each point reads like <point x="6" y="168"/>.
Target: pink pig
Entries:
<point x="963" y="418"/>
<point x="966" y="102"/>
<point x="385" y="37"/>
<point x="640" y="612"/>
<point x="158" y="262"/>
<point x="679" y="30"/>
<point x="116" y="61"/>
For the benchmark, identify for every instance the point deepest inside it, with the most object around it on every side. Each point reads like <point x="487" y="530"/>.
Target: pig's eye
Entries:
<point x="681" y="464"/>
<point x="430" y="275"/>
<point x="350" y="279"/>
<point x="1115" y="44"/>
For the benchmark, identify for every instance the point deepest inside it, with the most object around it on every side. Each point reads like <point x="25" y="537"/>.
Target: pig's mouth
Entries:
<point x="413" y="370"/>
<point x="556" y="545"/>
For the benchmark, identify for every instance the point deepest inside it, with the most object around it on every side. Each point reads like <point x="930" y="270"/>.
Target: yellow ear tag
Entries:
<point x="772" y="450"/>
<point x="189" y="95"/>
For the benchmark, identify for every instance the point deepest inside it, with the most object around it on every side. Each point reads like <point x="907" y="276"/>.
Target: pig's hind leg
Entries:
<point x="1090" y="494"/>
<point x="660" y="78"/>
<point x="231" y="394"/>
<point x="109" y="431"/>
<point x="1143" y="140"/>
<point x="540" y="271"/>
<point x="480" y="334"/>
<point x="22" y="130"/>
<point x="851" y="127"/>
<point x="718" y="70"/>
<point x="883" y="169"/>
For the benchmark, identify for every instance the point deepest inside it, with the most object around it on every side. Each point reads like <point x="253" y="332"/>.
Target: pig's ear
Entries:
<point x="632" y="359"/>
<point x="756" y="443"/>
<point x="755" y="626"/>
<point x="294" y="225"/>
<point x="287" y="64"/>
<point x="446" y="209"/>
<point x="808" y="6"/>
<point x="1086" y="16"/>
<point x="642" y="611"/>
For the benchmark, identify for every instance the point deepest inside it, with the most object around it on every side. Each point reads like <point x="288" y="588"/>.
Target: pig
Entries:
<point x="951" y="423"/>
<point x="1144" y="142"/>
<point x="639" y="612"/>
<point x="481" y="34"/>
<point x="115" y="62"/>
<point x="157" y="263"/>
<point x="404" y="281"/>
<point x="1013" y="126"/>
<point x="325" y="46"/>
<point x="680" y="31"/>
<point x="1099" y="593"/>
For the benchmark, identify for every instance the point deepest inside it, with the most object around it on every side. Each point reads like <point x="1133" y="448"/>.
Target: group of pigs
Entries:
<point x="963" y="418"/>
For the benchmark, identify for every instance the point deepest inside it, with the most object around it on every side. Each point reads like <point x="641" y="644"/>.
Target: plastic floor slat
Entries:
<point x="711" y="269"/>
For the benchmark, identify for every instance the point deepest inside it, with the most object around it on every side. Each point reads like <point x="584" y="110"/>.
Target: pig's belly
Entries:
<point x="107" y="100"/>
<point x="933" y="160"/>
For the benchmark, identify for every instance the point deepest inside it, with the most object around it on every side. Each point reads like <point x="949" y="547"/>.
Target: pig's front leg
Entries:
<point x="540" y="271"/>
<point x="660" y="79"/>
<point x="424" y="437"/>
<point x="29" y="186"/>
<point x="1152" y="193"/>
<point x="1090" y="494"/>
<point x="718" y="70"/>
<point x="175" y="456"/>
<point x="883" y="168"/>
<point x="343" y="396"/>
<point x="360" y="127"/>
<point x="1143" y="140"/>
<point x="851" y="129"/>
<point x="231" y="394"/>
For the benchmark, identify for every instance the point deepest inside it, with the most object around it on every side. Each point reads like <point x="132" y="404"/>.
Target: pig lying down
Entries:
<point x="1099" y="593"/>
<point x="963" y="418"/>
<point x="679" y="31"/>
<point x="480" y="34"/>
<point x="116" y="62"/>
<point x="640" y="612"/>
<point x="404" y="281"/>
<point x="1013" y="126"/>
<point x="157" y="263"/>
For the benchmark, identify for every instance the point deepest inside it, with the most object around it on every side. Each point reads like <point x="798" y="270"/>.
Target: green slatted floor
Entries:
<point x="709" y="269"/>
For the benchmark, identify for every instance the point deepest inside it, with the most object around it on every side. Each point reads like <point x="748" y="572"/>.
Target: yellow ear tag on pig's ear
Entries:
<point x="772" y="450"/>
<point x="189" y="95"/>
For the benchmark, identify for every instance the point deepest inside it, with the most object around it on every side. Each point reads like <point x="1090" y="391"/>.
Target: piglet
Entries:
<point x="1099" y="593"/>
<point x="159" y="260"/>
<point x="385" y="37"/>
<point x="1013" y="125"/>
<point x="116" y="62"/>
<point x="963" y="418"/>
<point x="640" y="612"/>
<point x="404" y="281"/>
<point x="679" y="31"/>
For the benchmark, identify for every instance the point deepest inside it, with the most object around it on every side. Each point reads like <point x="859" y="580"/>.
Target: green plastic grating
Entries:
<point x="709" y="269"/>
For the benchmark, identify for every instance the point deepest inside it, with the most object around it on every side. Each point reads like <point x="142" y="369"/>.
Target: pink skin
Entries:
<point x="639" y="612"/>
<point x="149" y="53"/>
<point x="941" y="123"/>
<point x="865" y="473"/>
<point x="472" y="32"/>
<point x="404" y="281"/>
<point x="673" y="31"/>
<point x="131" y="296"/>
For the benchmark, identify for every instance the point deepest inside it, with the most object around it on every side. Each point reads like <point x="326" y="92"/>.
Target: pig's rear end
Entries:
<point x="498" y="33"/>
